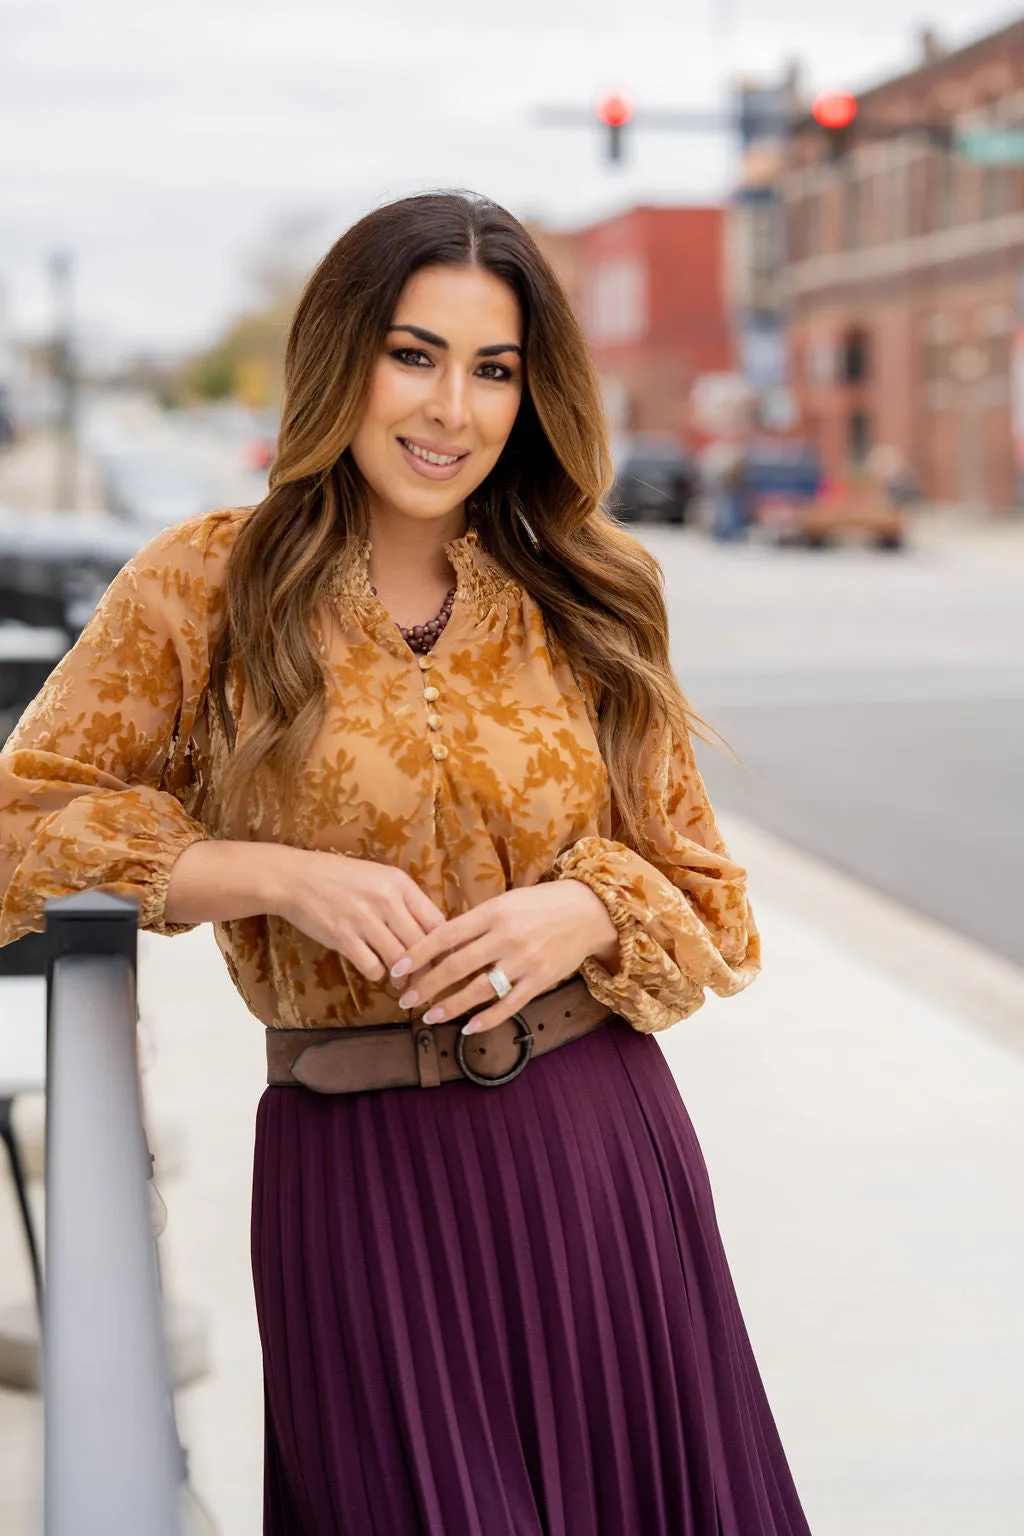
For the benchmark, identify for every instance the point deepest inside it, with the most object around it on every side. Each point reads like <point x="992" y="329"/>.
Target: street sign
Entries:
<point x="991" y="146"/>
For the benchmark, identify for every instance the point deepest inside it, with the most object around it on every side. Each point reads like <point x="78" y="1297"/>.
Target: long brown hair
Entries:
<point x="539" y="512"/>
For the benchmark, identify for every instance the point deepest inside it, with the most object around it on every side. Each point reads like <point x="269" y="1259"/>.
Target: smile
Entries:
<point x="436" y="466"/>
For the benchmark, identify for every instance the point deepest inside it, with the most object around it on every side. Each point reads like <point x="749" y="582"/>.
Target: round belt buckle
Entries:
<point x="525" y="1044"/>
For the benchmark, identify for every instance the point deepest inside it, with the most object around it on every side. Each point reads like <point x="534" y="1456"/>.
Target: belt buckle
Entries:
<point x="525" y="1043"/>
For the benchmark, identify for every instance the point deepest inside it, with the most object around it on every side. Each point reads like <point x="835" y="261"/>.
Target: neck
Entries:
<point x="408" y="547"/>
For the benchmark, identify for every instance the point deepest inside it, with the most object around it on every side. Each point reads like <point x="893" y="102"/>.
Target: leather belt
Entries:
<point x="418" y="1055"/>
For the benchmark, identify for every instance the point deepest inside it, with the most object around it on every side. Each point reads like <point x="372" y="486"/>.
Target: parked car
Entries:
<point x="781" y="480"/>
<point x="152" y="489"/>
<point x="55" y="566"/>
<point x="655" y="479"/>
<point x="791" y="501"/>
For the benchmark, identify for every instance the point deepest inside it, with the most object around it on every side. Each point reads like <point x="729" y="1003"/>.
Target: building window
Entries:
<point x="945" y="189"/>
<point x="855" y="356"/>
<point x="994" y="189"/>
<point x="617" y="301"/>
<point x="859" y="436"/>
<point x="852" y="213"/>
<point x="897" y="199"/>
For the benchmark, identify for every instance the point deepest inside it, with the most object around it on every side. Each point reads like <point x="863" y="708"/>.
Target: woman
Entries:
<point x="407" y="734"/>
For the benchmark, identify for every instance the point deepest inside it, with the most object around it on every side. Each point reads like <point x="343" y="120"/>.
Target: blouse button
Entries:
<point x="439" y="753"/>
<point x="426" y="662"/>
<point x="430" y="694"/>
<point x="434" y="721"/>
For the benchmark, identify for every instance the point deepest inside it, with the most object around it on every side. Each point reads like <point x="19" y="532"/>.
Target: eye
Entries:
<point x="502" y="373"/>
<point x="403" y="355"/>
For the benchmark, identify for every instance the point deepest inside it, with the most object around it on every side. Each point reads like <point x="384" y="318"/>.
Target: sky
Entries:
<point x="173" y="147"/>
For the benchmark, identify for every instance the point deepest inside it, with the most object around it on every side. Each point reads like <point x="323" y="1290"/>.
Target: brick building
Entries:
<point x="902" y="278"/>
<point x="647" y="286"/>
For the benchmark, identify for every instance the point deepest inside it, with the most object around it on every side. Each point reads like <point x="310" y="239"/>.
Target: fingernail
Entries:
<point x="409" y="1000"/>
<point x="433" y="1016"/>
<point x="473" y="1027"/>
<point x="400" y="967"/>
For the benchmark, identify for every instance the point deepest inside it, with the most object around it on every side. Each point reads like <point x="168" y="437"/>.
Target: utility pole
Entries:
<point x="66" y="480"/>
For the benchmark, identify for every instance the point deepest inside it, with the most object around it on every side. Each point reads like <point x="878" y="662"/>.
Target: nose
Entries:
<point x="449" y="402"/>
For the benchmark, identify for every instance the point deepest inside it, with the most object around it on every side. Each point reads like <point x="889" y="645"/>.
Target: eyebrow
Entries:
<point x="439" y="341"/>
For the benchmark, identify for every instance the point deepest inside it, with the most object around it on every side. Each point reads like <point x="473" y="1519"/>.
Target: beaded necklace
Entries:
<point x="421" y="637"/>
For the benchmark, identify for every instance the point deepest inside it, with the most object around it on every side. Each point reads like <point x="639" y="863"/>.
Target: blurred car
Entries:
<point x="655" y="479"/>
<point x="781" y="480"/>
<point x="862" y="509"/>
<point x="791" y="502"/>
<point x="27" y="657"/>
<point x="54" y="567"/>
<point x="153" y="489"/>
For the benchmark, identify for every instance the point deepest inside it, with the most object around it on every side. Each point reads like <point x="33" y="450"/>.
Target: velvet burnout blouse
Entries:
<point x="475" y="769"/>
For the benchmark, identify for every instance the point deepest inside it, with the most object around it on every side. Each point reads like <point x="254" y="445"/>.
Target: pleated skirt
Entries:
<point x="506" y="1312"/>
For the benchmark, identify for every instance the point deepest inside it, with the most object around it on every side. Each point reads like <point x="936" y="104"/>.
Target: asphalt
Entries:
<point x="876" y="705"/>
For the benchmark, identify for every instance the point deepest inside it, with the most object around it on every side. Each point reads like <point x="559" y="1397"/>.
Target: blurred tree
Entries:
<point x="246" y="362"/>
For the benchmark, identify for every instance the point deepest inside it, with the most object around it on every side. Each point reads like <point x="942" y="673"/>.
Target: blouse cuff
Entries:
<point x="153" y="896"/>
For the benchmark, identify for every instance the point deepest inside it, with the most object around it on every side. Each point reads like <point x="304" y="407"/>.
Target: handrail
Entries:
<point x="111" y="1460"/>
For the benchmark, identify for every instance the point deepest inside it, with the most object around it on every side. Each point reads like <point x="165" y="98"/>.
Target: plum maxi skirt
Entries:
<point x="506" y="1312"/>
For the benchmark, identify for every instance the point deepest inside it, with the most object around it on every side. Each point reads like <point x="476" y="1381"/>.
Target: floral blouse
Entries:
<point x="474" y="768"/>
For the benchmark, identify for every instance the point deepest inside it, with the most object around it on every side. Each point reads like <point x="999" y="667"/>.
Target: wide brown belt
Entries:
<point x="418" y="1055"/>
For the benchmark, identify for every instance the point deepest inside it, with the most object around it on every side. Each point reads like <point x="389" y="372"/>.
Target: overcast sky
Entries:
<point x="165" y="143"/>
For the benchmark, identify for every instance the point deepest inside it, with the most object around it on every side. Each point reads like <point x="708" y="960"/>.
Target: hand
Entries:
<point x="370" y="913"/>
<point x="537" y="934"/>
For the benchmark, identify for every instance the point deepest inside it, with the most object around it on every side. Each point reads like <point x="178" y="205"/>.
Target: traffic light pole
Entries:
<point x="615" y="114"/>
<point x="66" y="482"/>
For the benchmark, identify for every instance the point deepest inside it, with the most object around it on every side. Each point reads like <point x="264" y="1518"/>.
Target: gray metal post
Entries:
<point x="111" y="1460"/>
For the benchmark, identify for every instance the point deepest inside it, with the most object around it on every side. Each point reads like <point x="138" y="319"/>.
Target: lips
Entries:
<point x="424" y="467"/>
<point x="442" y="450"/>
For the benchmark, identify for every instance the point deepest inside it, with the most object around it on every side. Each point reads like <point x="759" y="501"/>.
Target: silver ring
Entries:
<point x="499" y="981"/>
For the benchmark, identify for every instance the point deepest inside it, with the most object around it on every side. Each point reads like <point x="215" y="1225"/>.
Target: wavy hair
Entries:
<point x="539" y="512"/>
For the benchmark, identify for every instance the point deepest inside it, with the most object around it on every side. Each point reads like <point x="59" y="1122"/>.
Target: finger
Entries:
<point x="450" y="934"/>
<point x="523" y="992"/>
<point x="381" y="939"/>
<point x="363" y="958"/>
<point x="468" y="960"/>
<point x="477" y="994"/>
<point x="427" y="913"/>
<point x="406" y="927"/>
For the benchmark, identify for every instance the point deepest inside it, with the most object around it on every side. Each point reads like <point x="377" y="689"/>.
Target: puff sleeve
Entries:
<point x="94" y="775"/>
<point x="682" y="914"/>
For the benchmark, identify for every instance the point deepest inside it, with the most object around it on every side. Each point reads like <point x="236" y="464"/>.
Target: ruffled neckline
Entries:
<point x="478" y="576"/>
<point x="485" y="594"/>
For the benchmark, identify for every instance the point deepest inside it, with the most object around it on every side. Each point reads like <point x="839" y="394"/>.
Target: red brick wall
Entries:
<point x="938" y="249"/>
<point x="683" y="330"/>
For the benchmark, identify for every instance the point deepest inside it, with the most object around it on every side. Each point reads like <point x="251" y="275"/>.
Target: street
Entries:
<point x="876" y="703"/>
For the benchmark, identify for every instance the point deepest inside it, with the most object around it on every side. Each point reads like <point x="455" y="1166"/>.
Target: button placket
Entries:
<point x="431" y="694"/>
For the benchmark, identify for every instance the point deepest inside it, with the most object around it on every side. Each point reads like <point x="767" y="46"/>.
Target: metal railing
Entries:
<point x="111" y="1455"/>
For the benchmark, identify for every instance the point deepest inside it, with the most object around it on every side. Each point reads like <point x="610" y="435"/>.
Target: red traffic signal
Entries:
<point x="834" y="111"/>
<point x="615" y="109"/>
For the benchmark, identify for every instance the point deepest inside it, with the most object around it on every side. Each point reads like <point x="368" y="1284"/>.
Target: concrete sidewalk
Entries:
<point x="861" y="1109"/>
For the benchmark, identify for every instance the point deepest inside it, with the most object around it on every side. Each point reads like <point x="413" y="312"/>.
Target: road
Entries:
<point x="876" y="702"/>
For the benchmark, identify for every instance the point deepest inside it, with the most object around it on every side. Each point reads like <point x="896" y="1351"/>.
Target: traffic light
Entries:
<point x="614" y="110"/>
<point x="835" y="113"/>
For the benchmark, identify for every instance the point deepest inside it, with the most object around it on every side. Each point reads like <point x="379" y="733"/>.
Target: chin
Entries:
<point x="427" y="509"/>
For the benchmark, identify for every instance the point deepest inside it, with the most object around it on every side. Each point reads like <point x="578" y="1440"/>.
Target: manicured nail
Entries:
<point x="400" y="967"/>
<point x="473" y="1027"/>
<point x="433" y="1016"/>
<point x="409" y="1000"/>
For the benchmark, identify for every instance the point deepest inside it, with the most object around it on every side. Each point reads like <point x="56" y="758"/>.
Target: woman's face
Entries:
<point x="448" y="383"/>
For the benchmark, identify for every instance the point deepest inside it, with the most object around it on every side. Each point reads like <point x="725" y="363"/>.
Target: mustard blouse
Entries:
<point x="475" y="769"/>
